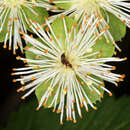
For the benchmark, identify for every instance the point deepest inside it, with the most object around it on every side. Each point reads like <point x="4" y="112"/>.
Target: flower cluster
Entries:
<point x="66" y="65"/>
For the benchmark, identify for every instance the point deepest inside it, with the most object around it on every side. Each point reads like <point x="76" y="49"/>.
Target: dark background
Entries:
<point x="10" y="100"/>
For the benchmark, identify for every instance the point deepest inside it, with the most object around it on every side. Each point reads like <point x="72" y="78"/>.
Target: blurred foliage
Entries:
<point x="111" y="115"/>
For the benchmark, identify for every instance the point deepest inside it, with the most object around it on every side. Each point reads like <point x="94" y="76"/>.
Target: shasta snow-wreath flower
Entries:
<point x="13" y="14"/>
<point x="86" y="8"/>
<point x="67" y="70"/>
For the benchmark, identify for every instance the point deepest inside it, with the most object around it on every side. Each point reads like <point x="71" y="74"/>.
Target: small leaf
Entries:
<point x="58" y="27"/>
<point x="28" y="54"/>
<point x="106" y="49"/>
<point x="42" y="89"/>
<point x="92" y="95"/>
<point x="117" y="27"/>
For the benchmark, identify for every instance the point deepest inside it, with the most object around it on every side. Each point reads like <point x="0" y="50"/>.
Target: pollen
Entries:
<point x="66" y="89"/>
<point x="4" y="46"/>
<point x="89" y="73"/>
<point x="51" y="1"/>
<point x="44" y="104"/>
<point x="95" y="108"/>
<point x="33" y="78"/>
<point x="61" y="123"/>
<point x="113" y="67"/>
<point x="81" y="105"/>
<point x="44" y="84"/>
<point x="50" y="89"/>
<point x="45" y="51"/>
<point x="101" y="95"/>
<point x="62" y="16"/>
<point x="14" y="80"/>
<point x="75" y="121"/>
<point x="123" y="76"/>
<point x="37" y="109"/>
<point x="22" y="97"/>
<point x="110" y="94"/>
<point x="18" y="90"/>
<point x="36" y="67"/>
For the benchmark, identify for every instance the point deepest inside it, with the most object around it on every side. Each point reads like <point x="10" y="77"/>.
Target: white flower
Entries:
<point x="69" y="65"/>
<point x="12" y="13"/>
<point x="86" y="8"/>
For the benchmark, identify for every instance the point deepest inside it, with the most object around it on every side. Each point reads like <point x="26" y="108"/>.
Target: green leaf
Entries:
<point x="28" y="54"/>
<point x="106" y="49"/>
<point x="42" y="89"/>
<point x="31" y="55"/>
<point x="111" y="115"/>
<point x="94" y="97"/>
<point x="39" y="17"/>
<point x="58" y="27"/>
<point x="117" y="27"/>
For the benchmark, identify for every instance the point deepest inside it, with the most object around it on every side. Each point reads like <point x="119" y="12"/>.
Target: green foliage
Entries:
<point x="111" y="115"/>
<point x="117" y="27"/>
<point x="106" y="49"/>
<point x="94" y="97"/>
<point x="42" y="89"/>
<point x="28" y="54"/>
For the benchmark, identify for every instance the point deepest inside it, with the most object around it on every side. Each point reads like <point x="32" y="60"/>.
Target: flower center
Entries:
<point x="89" y="6"/>
<point x="87" y="3"/>
<point x="14" y="2"/>
<point x="69" y="60"/>
<point x="65" y="61"/>
<point x="68" y="63"/>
